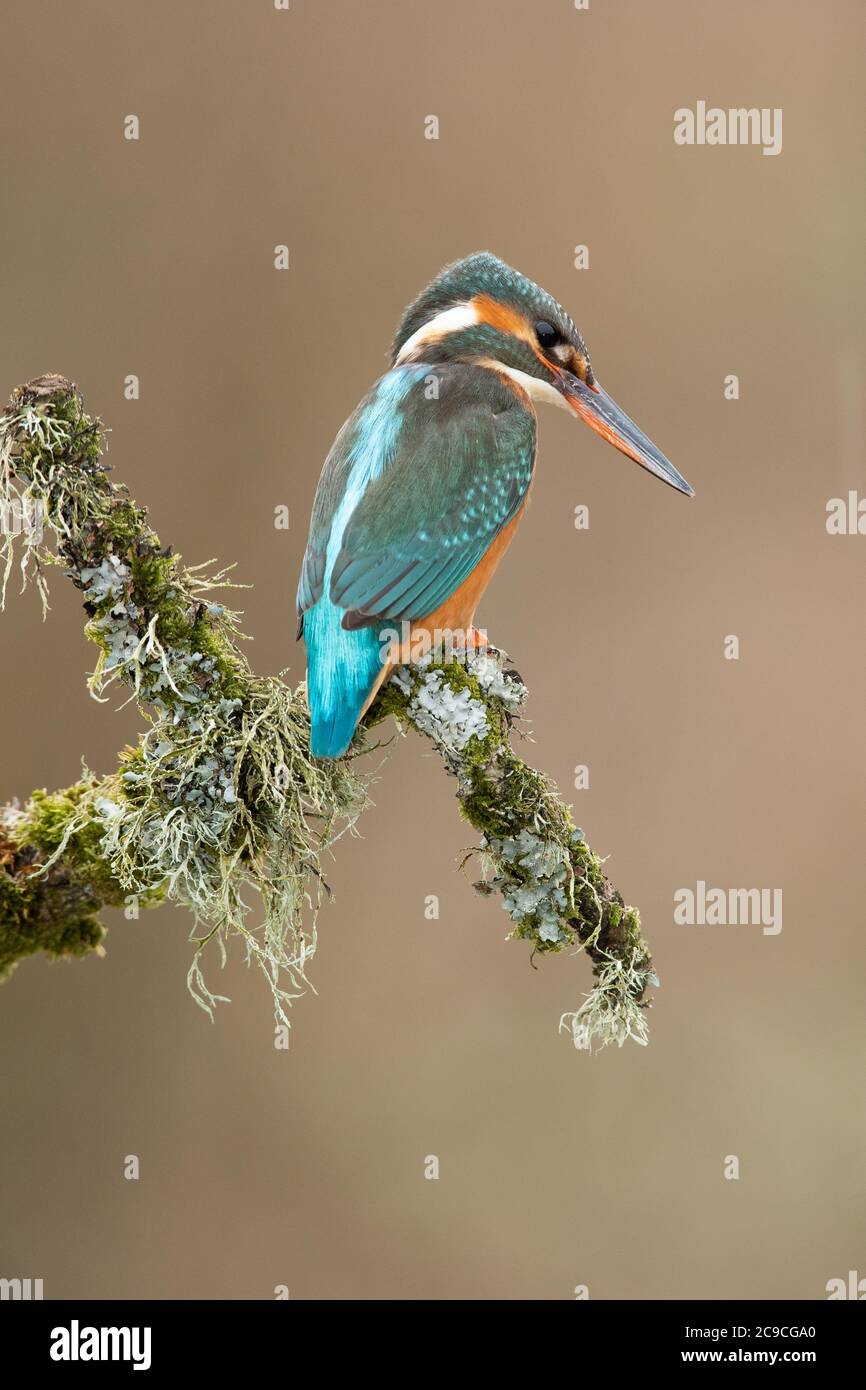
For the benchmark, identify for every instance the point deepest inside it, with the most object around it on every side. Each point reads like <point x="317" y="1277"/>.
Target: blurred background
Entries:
<point x="155" y="257"/>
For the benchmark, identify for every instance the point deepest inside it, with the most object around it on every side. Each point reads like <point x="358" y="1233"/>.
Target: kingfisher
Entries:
<point x="426" y="482"/>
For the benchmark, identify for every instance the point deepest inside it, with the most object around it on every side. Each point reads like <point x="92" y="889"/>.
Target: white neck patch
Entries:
<point x="458" y="316"/>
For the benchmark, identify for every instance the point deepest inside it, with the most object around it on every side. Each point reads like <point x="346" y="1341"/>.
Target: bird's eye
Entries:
<point x="547" y="335"/>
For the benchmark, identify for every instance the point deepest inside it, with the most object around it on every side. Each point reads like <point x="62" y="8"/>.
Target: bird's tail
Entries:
<point x="342" y="671"/>
<point x="332" y="732"/>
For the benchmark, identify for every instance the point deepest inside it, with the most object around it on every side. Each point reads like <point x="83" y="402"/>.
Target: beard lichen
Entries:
<point x="611" y="1012"/>
<point x="221" y="798"/>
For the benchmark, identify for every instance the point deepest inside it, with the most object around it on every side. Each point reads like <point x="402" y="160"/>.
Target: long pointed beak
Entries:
<point x="607" y="419"/>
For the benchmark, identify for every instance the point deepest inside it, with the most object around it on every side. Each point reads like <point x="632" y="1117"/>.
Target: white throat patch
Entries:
<point x="533" y="385"/>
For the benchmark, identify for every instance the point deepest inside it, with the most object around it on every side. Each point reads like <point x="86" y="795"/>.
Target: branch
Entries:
<point x="221" y="794"/>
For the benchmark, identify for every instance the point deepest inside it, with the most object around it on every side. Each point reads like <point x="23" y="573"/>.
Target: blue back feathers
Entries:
<point x="342" y="665"/>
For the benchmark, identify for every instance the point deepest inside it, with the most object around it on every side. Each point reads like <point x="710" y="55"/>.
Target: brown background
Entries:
<point x="259" y="127"/>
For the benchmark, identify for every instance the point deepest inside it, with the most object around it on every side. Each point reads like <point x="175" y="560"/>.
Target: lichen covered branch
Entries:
<point x="551" y="883"/>
<point x="221" y="795"/>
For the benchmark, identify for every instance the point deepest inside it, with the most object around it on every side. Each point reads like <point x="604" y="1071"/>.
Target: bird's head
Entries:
<point x="480" y="310"/>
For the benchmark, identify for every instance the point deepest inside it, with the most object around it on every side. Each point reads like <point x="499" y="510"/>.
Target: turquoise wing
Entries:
<point x="459" y="474"/>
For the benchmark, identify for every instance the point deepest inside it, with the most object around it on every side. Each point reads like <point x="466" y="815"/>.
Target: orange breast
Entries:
<point x="458" y="610"/>
<point x="457" y="613"/>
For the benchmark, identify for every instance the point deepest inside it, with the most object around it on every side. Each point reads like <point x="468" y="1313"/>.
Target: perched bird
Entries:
<point x="426" y="482"/>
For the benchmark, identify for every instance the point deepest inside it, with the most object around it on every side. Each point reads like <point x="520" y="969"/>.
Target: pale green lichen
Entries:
<point x="611" y="1013"/>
